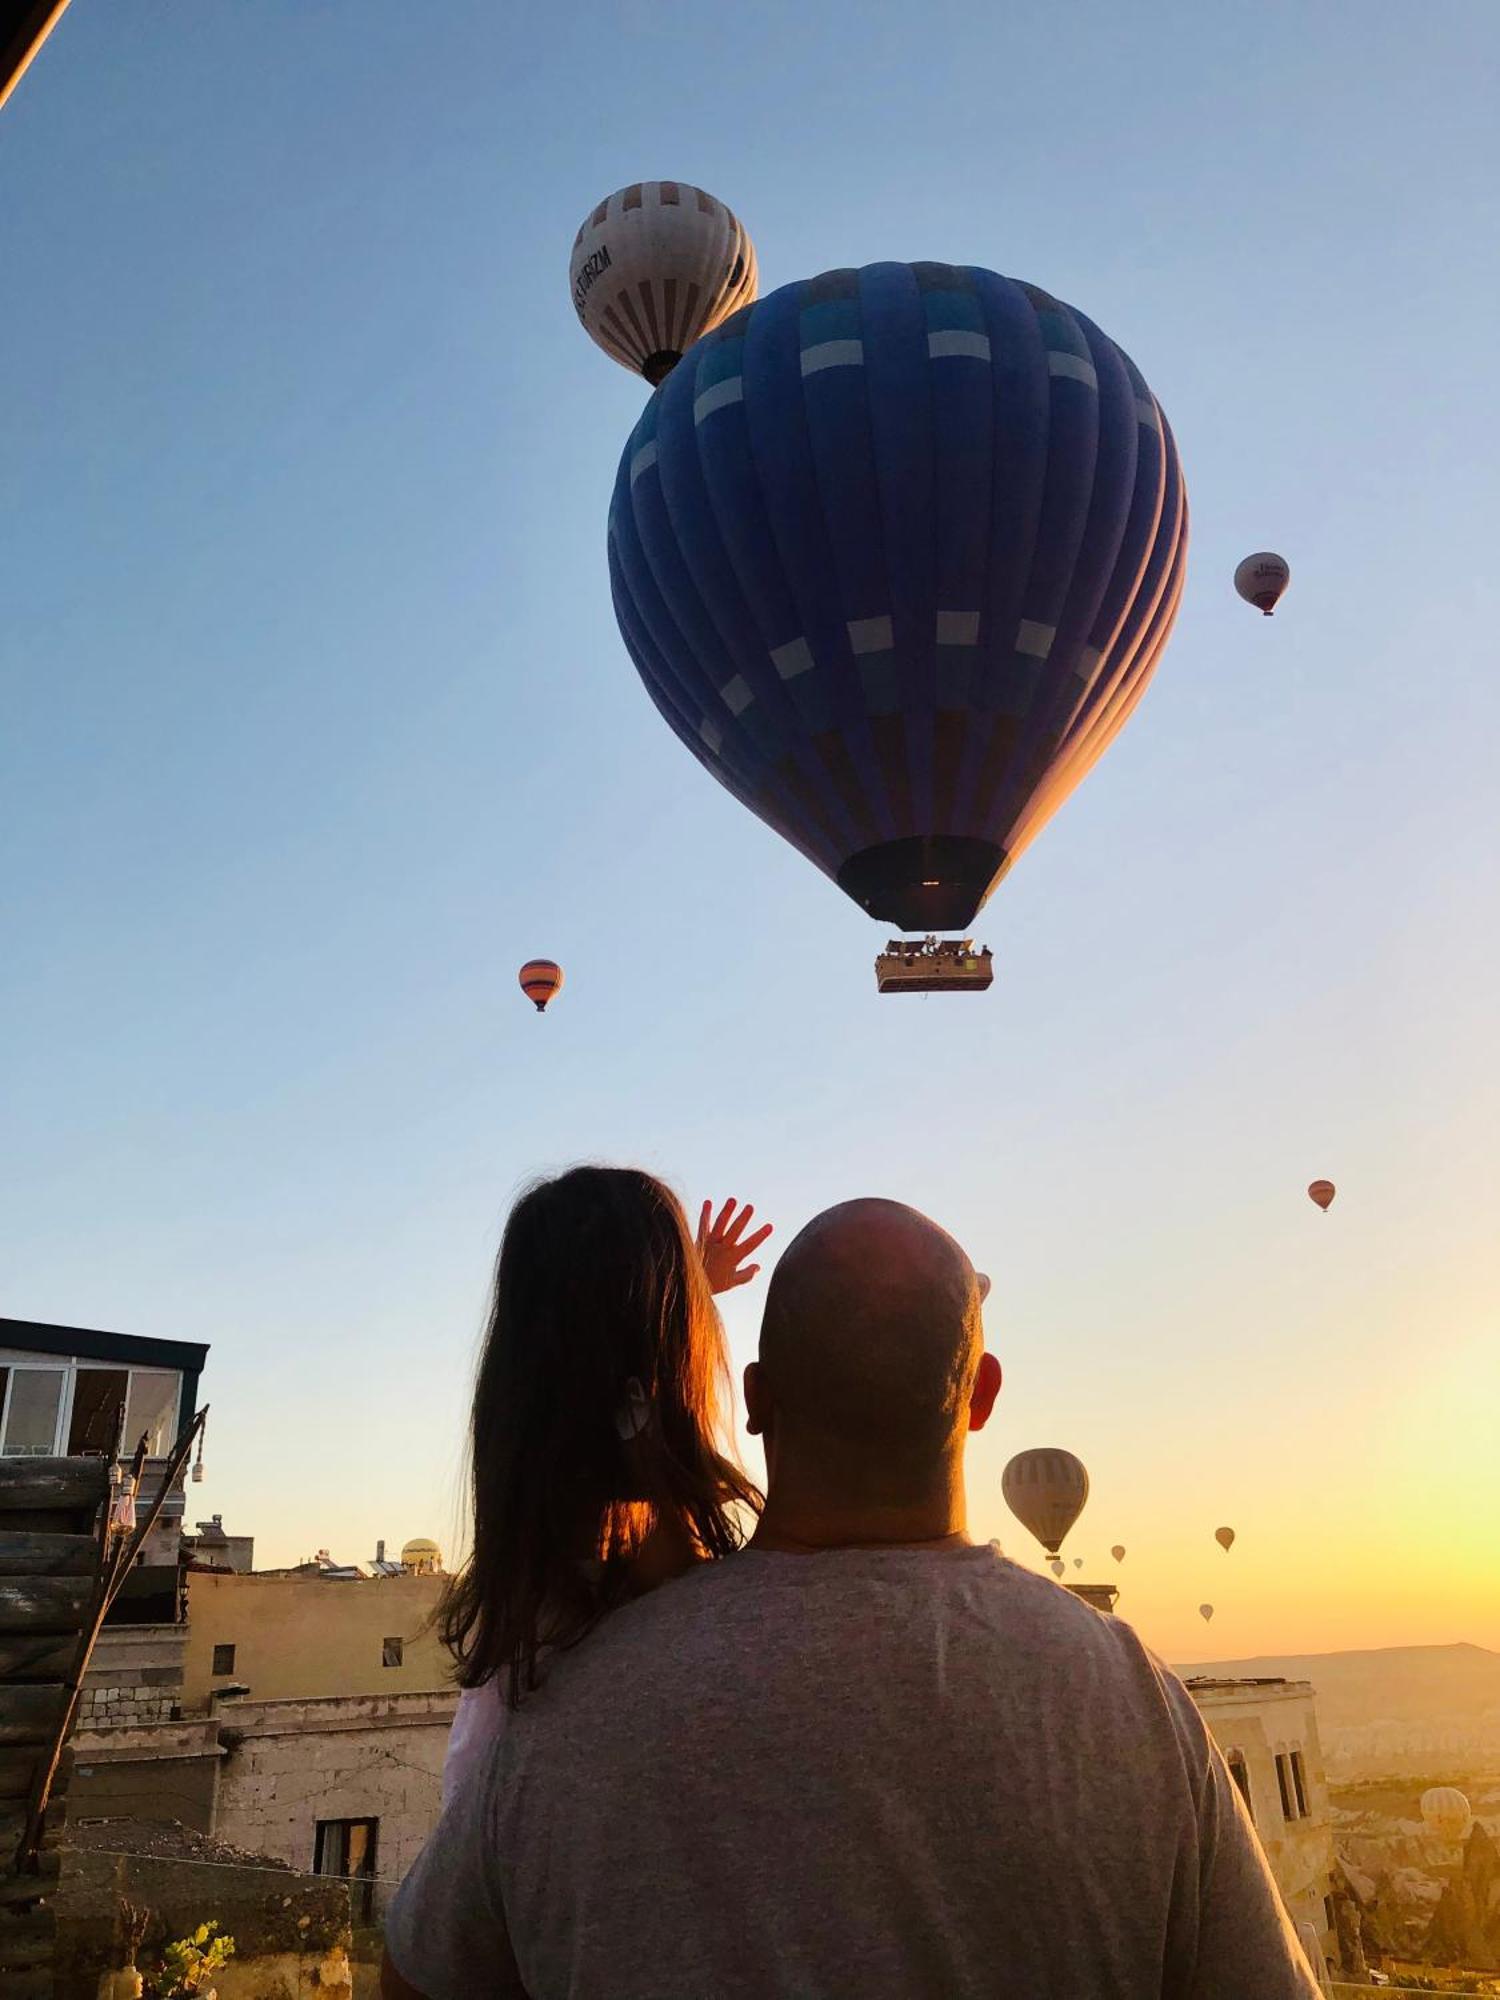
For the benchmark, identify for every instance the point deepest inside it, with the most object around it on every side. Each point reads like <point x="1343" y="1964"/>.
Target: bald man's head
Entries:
<point x="871" y="1339"/>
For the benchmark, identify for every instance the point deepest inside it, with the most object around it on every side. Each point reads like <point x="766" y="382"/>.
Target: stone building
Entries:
<point x="342" y="1785"/>
<point x="213" y="1548"/>
<point x="1268" y="1732"/>
<point x="301" y="1715"/>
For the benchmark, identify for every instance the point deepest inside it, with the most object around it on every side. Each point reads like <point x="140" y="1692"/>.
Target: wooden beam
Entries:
<point x="18" y="1768"/>
<point x="38" y="1881"/>
<point x="29" y="1554"/>
<point x="30" y="1483"/>
<point x="44" y="1603"/>
<point x="37" y="1656"/>
<point x="27" y="1938"/>
<point x="29" y="1714"/>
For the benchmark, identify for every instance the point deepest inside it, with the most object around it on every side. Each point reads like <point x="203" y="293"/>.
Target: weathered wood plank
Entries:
<point x="41" y="1881"/>
<point x="29" y="1714"/>
<point x="18" y="1770"/>
<point x="13" y="1825"/>
<point x="52" y="1482"/>
<point x="31" y="1554"/>
<point x="39" y="1656"/>
<point x="27" y="1938"/>
<point x="37" y="1984"/>
<point x="44" y="1603"/>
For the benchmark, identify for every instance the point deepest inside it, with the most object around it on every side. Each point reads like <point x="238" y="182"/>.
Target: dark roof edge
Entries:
<point x="90" y="1344"/>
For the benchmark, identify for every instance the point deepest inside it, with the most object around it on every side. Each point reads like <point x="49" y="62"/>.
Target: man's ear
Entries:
<point x="757" y="1403"/>
<point x="986" y="1389"/>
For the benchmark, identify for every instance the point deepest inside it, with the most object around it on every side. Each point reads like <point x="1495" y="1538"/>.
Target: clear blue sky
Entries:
<point x="316" y="723"/>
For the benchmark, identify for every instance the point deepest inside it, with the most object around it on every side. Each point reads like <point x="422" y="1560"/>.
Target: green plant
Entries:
<point x="188" y="1965"/>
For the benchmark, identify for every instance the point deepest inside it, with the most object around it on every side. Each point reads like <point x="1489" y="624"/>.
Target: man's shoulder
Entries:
<point x="763" y="1594"/>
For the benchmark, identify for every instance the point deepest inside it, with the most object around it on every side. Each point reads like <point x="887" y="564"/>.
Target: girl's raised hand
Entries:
<point x="724" y="1246"/>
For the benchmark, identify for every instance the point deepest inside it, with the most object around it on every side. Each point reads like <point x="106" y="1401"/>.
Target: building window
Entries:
<point x="30" y="1401"/>
<point x="1284" y="1784"/>
<point x="223" y="1659"/>
<point x="151" y="1411"/>
<point x="86" y="1408"/>
<point x="390" y="1652"/>
<point x="1299" y="1784"/>
<point x="98" y="1412"/>
<point x="1330" y="1921"/>
<point x="1239" y="1770"/>
<point x="346" y="1847"/>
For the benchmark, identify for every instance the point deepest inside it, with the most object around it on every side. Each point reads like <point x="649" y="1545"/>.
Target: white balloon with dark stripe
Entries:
<point x="654" y="267"/>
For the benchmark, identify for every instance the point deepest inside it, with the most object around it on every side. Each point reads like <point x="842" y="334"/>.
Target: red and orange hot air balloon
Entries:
<point x="1322" y="1192"/>
<point x="541" y="980"/>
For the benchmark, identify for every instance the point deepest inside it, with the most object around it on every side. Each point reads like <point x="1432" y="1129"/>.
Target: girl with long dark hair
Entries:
<point x="599" y="1466"/>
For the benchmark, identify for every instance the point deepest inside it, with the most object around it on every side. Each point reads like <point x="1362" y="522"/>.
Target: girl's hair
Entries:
<point x="598" y="1282"/>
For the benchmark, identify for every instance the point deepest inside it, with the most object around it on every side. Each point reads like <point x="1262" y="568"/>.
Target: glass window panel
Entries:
<point x="98" y="1406"/>
<point x="31" y="1413"/>
<point x="152" y="1408"/>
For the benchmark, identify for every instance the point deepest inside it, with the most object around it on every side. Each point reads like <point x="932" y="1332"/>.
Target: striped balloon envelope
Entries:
<point x="653" y="267"/>
<point x="1046" y="1490"/>
<point x="895" y="552"/>
<point x="541" y="980"/>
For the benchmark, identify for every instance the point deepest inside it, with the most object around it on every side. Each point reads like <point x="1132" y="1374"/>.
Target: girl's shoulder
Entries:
<point x="478" y="1723"/>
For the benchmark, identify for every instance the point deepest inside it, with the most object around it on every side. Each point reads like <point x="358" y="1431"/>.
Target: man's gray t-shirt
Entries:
<point x="873" y="1773"/>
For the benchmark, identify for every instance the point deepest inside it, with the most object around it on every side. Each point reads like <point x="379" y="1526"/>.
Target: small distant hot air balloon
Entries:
<point x="1322" y="1192"/>
<point x="1118" y="1552"/>
<point x="1446" y="1812"/>
<point x="1205" y="1612"/>
<point x="654" y="267"/>
<point x="1057" y="1566"/>
<point x="1045" y="1490"/>
<point x="1225" y="1538"/>
<point x="1260" y="580"/>
<point x="1078" y="1562"/>
<point x="541" y="980"/>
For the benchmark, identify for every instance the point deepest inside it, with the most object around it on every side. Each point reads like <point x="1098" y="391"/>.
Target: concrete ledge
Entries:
<point x="336" y="1712"/>
<point x="135" y="1742"/>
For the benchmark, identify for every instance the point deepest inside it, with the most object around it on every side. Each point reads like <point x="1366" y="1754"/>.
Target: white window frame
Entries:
<point x="15" y="1360"/>
<point x="34" y="1365"/>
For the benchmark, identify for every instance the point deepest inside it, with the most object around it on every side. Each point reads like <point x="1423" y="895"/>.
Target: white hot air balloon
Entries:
<point x="1446" y="1813"/>
<point x="1261" y="578"/>
<point x="1045" y="1489"/>
<point x="1205" y="1612"/>
<point x="655" y="266"/>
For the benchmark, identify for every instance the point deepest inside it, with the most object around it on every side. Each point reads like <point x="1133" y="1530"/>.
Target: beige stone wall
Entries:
<point x="134" y="1676"/>
<point x="297" y="1637"/>
<point x="1259" y="1723"/>
<point x="293" y="1763"/>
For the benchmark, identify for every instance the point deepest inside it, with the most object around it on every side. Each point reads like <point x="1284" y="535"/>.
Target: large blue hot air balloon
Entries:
<point x="895" y="551"/>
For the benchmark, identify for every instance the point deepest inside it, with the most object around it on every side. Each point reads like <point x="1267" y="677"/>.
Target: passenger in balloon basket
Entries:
<point x="862" y="1756"/>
